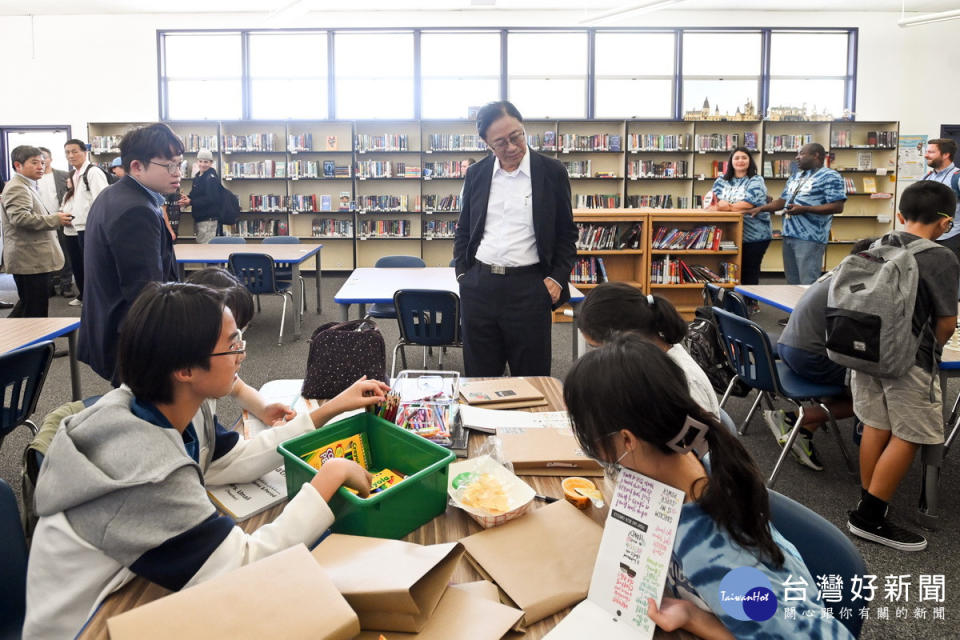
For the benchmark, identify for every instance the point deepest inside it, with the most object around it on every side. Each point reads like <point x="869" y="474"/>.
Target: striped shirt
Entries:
<point x="945" y="176"/>
<point x="812" y="188"/>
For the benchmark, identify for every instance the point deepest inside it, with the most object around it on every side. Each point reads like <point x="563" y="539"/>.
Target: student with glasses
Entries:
<point x="126" y="244"/>
<point x="514" y="248"/>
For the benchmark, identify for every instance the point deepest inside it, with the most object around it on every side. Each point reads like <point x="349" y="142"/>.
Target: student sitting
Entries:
<point x="802" y="347"/>
<point x="630" y="406"/>
<point x="617" y="306"/>
<point x="121" y="492"/>
<point x="901" y="414"/>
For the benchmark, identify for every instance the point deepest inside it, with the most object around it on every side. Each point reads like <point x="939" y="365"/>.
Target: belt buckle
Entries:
<point x="497" y="269"/>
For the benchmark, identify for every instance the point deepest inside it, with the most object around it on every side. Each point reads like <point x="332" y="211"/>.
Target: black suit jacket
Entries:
<point x="552" y="218"/>
<point x="60" y="181"/>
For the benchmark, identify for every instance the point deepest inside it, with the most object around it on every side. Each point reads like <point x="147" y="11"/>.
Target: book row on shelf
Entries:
<point x="609" y="237"/>
<point x="447" y="203"/>
<point x="779" y="168"/>
<point x="262" y="169"/>
<point x="595" y="142"/>
<point x="844" y="138"/>
<point x="869" y="185"/>
<point x="331" y="228"/>
<point x="659" y="142"/>
<point x="394" y="203"/>
<point x="584" y="169"/>
<point x="257" y="227"/>
<point x="319" y="202"/>
<point x="651" y="169"/>
<point x="252" y="142"/>
<point x="703" y="238"/>
<point x="717" y="168"/>
<point x="455" y="142"/>
<point x="786" y="143"/>
<point x="385" y="228"/>
<point x="725" y="142"/>
<point x="667" y="270"/>
<point x="448" y="169"/>
<point x="315" y="169"/>
<point x="588" y="270"/>
<point x="658" y="201"/>
<point x="105" y="144"/>
<point x="597" y="201"/>
<point x="386" y="169"/>
<point x="386" y="142"/>
<point x="439" y="228"/>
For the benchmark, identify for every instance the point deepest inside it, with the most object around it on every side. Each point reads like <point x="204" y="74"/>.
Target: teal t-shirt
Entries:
<point x="747" y="189"/>
<point x="811" y="188"/>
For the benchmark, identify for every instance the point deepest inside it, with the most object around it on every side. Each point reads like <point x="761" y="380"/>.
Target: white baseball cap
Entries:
<point x="204" y="154"/>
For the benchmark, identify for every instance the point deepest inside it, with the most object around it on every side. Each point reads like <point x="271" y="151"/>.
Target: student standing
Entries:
<point x="513" y="251"/>
<point x="88" y="182"/>
<point x="940" y="155"/>
<point x="205" y="199"/>
<point x="900" y="415"/>
<point x="810" y="199"/>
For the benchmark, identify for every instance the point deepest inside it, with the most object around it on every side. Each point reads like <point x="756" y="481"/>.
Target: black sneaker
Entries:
<point x="885" y="533"/>
<point x="783" y="321"/>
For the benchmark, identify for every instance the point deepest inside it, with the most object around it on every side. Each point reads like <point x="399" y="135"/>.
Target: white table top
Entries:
<point x="16" y="333"/>
<point x="221" y="252"/>
<point x="368" y="285"/>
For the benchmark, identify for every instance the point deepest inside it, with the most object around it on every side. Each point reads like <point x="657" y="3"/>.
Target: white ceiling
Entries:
<point x="117" y="7"/>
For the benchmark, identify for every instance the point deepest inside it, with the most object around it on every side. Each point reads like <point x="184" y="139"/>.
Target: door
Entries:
<point x="52" y="137"/>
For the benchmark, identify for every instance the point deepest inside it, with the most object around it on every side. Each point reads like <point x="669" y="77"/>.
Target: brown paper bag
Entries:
<point x="546" y="452"/>
<point x="542" y="561"/>
<point x="391" y="584"/>
<point x="285" y="595"/>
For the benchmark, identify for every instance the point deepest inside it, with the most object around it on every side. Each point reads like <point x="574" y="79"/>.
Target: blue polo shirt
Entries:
<point x="752" y="190"/>
<point x="147" y="411"/>
<point x="945" y="176"/>
<point x="811" y="188"/>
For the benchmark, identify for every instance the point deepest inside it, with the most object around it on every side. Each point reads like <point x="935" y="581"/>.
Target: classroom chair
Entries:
<point x="453" y="262"/>
<point x="228" y="240"/>
<point x="428" y="318"/>
<point x="729" y="300"/>
<point x="751" y="355"/>
<point x="22" y="374"/>
<point x="13" y="566"/>
<point x="255" y="271"/>
<point x="824" y="548"/>
<point x="386" y="310"/>
<point x="284" y="270"/>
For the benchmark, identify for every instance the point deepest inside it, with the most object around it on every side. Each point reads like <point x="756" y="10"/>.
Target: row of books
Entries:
<point x="448" y="169"/>
<point x="718" y="168"/>
<point x="657" y="142"/>
<point x="252" y="142"/>
<point x="667" y="270"/>
<point x="608" y="237"/>
<point x="707" y="237"/>
<point x="395" y="228"/>
<point x="779" y="168"/>
<point x="578" y="168"/>
<point x="588" y="270"/>
<point x="269" y="202"/>
<point x="597" y="201"/>
<point x="374" y="203"/>
<point x="595" y="142"/>
<point x="658" y="201"/>
<point x="331" y="227"/>
<point x="258" y="227"/>
<point x="651" y="169"/>
<point x="300" y="142"/>
<point x="455" y="142"/>
<point x="386" y="142"/>
<point x="846" y="138"/>
<point x="434" y="202"/>
<point x="725" y="141"/>
<point x="316" y="169"/>
<point x="869" y="185"/>
<point x="193" y="142"/>
<point x="786" y="143"/>
<point x="439" y="228"/>
<point x="386" y="169"/>
<point x="548" y="142"/>
<point x="105" y="144"/>
<point x="261" y="169"/>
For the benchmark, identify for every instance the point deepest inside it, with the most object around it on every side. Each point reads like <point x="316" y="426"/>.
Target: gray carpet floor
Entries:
<point x="830" y="493"/>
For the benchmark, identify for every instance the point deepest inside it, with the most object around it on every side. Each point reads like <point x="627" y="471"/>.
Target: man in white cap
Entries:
<point x="205" y="198"/>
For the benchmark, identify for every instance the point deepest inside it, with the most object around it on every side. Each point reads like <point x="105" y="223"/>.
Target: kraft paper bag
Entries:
<point x="543" y="561"/>
<point x="546" y="452"/>
<point x="391" y="584"/>
<point x="285" y="595"/>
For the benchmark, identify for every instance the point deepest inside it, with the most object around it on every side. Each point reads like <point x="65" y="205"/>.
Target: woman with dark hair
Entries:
<point x="630" y="406"/>
<point x="741" y="188"/>
<point x="616" y="306"/>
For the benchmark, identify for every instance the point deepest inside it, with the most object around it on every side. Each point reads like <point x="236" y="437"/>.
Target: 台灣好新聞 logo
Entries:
<point x="746" y="594"/>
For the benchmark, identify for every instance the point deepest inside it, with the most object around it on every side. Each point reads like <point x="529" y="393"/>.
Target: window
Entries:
<point x="722" y="69"/>
<point x="458" y="71"/>
<point x="202" y="76"/>
<point x="374" y="74"/>
<point x="288" y="75"/>
<point x="547" y="74"/>
<point x="634" y="75"/>
<point x="809" y="68"/>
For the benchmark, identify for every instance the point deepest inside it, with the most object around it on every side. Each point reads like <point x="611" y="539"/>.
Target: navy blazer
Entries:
<point x="553" y="223"/>
<point x="126" y="245"/>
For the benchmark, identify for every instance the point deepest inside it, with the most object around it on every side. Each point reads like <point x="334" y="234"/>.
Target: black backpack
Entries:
<point x="110" y="177"/>
<point x="229" y="207"/>
<point x="703" y="344"/>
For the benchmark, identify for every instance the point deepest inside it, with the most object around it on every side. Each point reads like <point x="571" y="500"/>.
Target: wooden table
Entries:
<point x="450" y="526"/>
<point x="16" y="333"/>
<point x="369" y="285"/>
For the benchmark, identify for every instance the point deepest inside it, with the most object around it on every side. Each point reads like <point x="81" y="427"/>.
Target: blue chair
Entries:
<point x="729" y="300"/>
<point x="13" y="566"/>
<point x="22" y="373"/>
<point x="751" y="355"/>
<point x="823" y="547"/>
<point x="386" y="310"/>
<point x="255" y="271"/>
<point x="428" y="318"/>
<point x="228" y="240"/>
<point x="284" y="270"/>
<point x="453" y="262"/>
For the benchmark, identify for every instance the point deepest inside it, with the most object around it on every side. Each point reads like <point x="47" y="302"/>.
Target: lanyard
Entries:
<point x="800" y="183"/>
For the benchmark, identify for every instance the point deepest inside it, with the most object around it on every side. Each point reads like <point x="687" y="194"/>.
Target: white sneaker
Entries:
<point x="75" y="302"/>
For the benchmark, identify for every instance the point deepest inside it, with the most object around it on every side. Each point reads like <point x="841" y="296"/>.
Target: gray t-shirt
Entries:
<point x="807" y="327"/>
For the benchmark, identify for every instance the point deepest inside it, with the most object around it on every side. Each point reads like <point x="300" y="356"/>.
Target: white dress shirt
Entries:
<point x="508" y="235"/>
<point x="83" y="198"/>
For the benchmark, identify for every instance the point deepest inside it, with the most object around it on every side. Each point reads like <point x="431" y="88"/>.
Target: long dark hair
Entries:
<point x="630" y="383"/>
<point x="728" y="175"/>
<point x="617" y="306"/>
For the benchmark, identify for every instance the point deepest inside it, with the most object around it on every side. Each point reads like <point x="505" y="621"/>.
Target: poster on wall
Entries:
<point x="910" y="162"/>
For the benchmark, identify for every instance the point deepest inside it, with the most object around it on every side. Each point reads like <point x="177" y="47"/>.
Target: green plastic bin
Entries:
<point x="393" y="513"/>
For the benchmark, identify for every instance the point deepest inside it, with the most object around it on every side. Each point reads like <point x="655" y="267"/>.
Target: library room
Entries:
<point x="265" y="359"/>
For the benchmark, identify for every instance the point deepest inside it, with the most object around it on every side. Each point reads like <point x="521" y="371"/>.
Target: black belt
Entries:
<point x="504" y="271"/>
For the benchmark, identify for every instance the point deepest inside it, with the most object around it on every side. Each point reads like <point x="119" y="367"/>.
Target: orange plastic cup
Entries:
<point x="570" y="485"/>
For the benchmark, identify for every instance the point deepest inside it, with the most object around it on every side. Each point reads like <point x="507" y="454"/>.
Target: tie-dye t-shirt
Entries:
<point x="753" y="190"/>
<point x="811" y="188"/>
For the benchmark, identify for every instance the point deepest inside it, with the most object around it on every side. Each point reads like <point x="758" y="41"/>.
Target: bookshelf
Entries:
<point x="369" y="188"/>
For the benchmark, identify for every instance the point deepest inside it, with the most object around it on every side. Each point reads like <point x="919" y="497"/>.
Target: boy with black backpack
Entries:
<point x="893" y="352"/>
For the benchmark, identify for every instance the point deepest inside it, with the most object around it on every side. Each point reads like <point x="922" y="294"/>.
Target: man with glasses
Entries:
<point x="941" y="158"/>
<point x="514" y="248"/>
<point x="88" y="181"/>
<point x="126" y="243"/>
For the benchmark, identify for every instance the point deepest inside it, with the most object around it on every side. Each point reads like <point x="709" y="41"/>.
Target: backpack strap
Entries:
<point x="86" y="180"/>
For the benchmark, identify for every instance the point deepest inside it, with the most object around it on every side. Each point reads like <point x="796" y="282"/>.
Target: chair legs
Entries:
<point x="839" y="437"/>
<point x="726" y="394"/>
<point x="753" y="409"/>
<point x="794" y="432"/>
<point x="393" y="363"/>
<point x="283" y="314"/>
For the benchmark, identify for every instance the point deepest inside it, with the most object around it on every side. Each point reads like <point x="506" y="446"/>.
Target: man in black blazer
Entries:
<point x="53" y="186"/>
<point x="514" y="248"/>
<point x="127" y="244"/>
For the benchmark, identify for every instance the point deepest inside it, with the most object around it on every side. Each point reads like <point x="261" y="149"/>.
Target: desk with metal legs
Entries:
<point x="16" y="333"/>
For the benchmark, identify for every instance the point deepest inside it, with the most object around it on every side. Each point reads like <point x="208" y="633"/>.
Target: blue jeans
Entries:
<point x="802" y="260"/>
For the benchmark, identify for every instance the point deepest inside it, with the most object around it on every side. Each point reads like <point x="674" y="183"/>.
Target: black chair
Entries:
<point x="255" y="272"/>
<point x="22" y="373"/>
<point x="428" y="318"/>
<point x="13" y="566"/>
<point x="284" y="270"/>
<point x="386" y="310"/>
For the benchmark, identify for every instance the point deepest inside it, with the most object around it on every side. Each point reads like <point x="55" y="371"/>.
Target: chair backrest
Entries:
<point x="734" y="303"/>
<point x="428" y="317"/>
<point x="255" y="271"/>
<point x="411" y="262"/>
<point x="13" y="566"/>
<point x="749" y="350"/>
<point x="823" y="547"/>
<point x="281" y="240"/>
<point x="228" y="240"/>
<point x="711" y="294"/>
<point x="22" y="373"/>
<point x="453" y="262"/>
